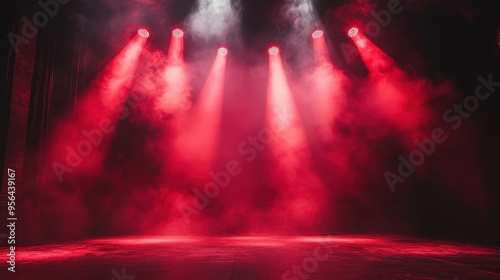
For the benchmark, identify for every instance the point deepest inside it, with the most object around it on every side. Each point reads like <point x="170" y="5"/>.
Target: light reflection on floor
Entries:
<point x="255" y="258"/>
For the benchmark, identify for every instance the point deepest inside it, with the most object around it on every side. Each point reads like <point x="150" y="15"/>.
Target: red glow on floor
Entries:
<point x="371" y="245"/>
<point x="258" y="257"/>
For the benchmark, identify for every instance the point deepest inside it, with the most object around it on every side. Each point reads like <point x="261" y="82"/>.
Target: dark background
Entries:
<point x="454" y="40"/>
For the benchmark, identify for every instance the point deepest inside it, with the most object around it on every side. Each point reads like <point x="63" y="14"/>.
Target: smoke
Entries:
<point x="215" y="20"/>
<point x="300" y="15"/>
<point x="304" y="181"/>
<point x="298" y="19"/>
<point x="323" y="173"/>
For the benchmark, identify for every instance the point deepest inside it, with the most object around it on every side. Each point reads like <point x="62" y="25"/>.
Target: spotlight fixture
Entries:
<point x="177" y="33"/>
<point x="274" y="51"/>
<point x="353" y="32"/>
<point x="317" y="34"/>
<point x="223" y="51"/>
<point x="143" y="32"/>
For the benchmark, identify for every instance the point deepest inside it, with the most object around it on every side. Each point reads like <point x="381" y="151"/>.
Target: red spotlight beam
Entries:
<point x="210" y="100"/>
<point x="176" y="49"/>
<point x="397" y="97"/>
<point x="95" y="116"/>
<point x="110" y="90"/>
<point x="118" y="75"/>
<point x="325" y="87"/>
<point x="176" y="93"/>
<point x="326" y="94"/>
<point x="321" y="53"/>
<point x="282" y="116"/>
<point x="376" y="60"/>
<point x="289" y="151"/>
<point x="279" y="95"/>
<point x="197" y="157"/>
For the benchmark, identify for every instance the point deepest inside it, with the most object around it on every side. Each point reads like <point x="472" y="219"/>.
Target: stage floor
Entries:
<point x="360" y="257"/>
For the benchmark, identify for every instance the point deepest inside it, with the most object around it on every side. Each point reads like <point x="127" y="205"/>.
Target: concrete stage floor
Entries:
<point x="255" y="258"/>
